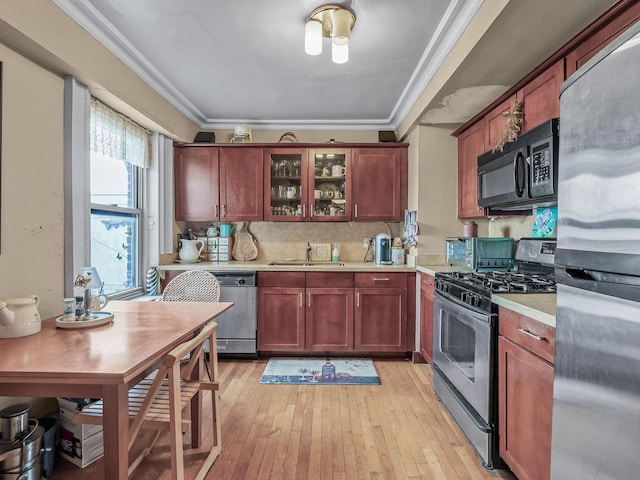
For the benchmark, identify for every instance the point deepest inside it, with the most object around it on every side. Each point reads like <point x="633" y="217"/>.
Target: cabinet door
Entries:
<point x="330" y="178"/>
<point x="495" y="121"/>
<point x="525" y="402"/>
<point x="380" y="319"/>
<point x="196" y="183"/>
<point x="426" y="317"/>
<point x="329" y="319"/>
<point x="541" y="97"/>
<point x="241" y="184"/>
<point x="285" y="184"/>
<point x="281" y="319"/>
<point x="470" y="145"/>
<point x="379" y="184"/>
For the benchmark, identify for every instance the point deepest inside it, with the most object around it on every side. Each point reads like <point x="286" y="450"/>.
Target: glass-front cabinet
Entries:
<point x="330" y="170"/>
<point x="307" y="184"/>
<point x="285" y="186"/>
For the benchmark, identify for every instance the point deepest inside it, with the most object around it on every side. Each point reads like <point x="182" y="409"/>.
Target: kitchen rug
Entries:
<point x="318" y="371"/>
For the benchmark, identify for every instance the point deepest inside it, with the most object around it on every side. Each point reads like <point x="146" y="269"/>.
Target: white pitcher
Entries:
<point x="19" y="317"/>
<point x="189" y="251"/>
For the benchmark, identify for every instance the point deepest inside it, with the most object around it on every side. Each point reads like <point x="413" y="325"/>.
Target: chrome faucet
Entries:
<point x="308" y="257"/>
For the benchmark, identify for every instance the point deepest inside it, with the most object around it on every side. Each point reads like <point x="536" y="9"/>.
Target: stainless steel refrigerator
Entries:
<point x="596" y="395"/>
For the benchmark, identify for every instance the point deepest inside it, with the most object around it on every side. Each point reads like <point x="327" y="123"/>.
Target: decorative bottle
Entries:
<point x="328" y="372"/>
<point x="335" y="253"/>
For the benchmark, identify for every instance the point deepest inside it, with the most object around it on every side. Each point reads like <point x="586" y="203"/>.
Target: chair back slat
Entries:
<point x="192" y="286"/>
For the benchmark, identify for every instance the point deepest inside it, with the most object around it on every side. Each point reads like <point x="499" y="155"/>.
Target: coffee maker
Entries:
<point x="382" y="249"/>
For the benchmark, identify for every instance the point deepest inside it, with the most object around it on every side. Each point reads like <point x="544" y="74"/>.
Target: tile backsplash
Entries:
<point x="279" y="240"/>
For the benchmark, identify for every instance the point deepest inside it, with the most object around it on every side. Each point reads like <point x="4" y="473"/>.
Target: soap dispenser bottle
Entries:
<point x="335" y="253"/>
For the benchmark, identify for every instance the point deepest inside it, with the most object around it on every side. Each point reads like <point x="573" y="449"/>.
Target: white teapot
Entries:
<point x="189" y="250"/>
<point x="19" y="317"/>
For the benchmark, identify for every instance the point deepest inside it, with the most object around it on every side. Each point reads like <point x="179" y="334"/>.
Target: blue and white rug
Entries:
<point x="319" y="371"/>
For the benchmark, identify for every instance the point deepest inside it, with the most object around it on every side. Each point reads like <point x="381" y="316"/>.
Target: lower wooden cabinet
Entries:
<point x="525" y="397"/>
<point x="281" y="319"/>
<point x="316" y="312"/>
<point x="426" y="316"/>
<point x="329" y="319"/>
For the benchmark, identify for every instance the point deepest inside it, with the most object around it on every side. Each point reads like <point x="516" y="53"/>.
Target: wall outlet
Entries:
<point x="367" y="242"/>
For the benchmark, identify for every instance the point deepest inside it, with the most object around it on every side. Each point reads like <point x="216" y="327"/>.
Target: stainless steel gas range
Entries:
<point x="465" y="339"/>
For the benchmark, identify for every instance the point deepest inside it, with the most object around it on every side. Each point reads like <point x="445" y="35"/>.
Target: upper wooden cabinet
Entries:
<point x="470" y="144"/>
<point x="541" y="97"/>
<point x="213" y="184"/>
<point x="196" y="176"/>
<point x="602" y="35"/>
<point x="241" y="184"/>
<point x="307" y="184"/>
<point x="495" y="121"/>
<point x="539" y="93"/>
<point x="299" y="182"/>
<point x="379" y="184"/>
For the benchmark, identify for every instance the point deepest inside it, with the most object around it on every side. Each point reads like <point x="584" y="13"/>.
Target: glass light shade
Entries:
<point x="341" y="27"/>
<point x="313" y="37"/>
<point x="339" y="53"/>
<point x="92" y="273"/>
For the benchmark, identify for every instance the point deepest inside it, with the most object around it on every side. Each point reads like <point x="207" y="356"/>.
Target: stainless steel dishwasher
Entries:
<point x="237" y="326"/>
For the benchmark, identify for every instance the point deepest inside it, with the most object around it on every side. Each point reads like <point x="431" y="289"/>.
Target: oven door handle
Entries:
<point x="465" y="309"/>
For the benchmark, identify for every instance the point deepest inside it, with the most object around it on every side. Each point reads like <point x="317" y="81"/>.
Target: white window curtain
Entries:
<point x="116" y="136"/>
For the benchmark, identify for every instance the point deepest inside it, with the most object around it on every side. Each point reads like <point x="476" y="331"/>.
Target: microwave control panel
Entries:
<point x="541" y="170"/>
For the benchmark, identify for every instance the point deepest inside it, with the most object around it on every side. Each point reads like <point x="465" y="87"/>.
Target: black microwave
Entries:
<point x="524" y="174"/>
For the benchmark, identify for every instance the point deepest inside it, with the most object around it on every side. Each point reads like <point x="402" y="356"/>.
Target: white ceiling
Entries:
<point x="230" y="62"/>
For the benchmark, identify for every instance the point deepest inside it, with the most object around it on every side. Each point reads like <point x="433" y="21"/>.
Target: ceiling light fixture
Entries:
<point x="329" y="21"/>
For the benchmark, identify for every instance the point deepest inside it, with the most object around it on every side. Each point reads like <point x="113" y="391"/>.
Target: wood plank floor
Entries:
<point x="397" y="430"/>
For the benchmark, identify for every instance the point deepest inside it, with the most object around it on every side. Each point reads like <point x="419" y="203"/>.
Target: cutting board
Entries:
<point x="244" y="245"/>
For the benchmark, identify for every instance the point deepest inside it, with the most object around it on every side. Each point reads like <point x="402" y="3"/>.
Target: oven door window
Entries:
<point x="463" y="351"/>
<point x="458" y="344"/>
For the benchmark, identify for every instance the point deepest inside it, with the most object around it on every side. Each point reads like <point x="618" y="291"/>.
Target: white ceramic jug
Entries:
<point x="189" y="251"/>
<point x="19" y="317"/>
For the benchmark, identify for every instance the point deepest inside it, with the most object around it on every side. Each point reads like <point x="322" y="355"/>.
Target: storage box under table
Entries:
<point x="79" y="443"/>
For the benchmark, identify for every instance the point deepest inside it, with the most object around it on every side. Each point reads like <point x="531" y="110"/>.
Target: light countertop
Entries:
<point x="539" y="306"/>
<point x="264" y="266"/>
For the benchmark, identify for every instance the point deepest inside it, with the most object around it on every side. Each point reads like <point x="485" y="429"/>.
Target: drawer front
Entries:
<point x="382" y="279"/>
<point x="329" y="280"/>
<point x="535" y="336"/>
<point x="281" y="279"/>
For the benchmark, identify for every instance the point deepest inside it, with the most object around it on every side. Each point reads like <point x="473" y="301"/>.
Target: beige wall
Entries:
<point x="32" y="195"/>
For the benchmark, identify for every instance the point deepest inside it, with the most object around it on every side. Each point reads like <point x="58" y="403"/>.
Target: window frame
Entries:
<point x="155" y="192"/>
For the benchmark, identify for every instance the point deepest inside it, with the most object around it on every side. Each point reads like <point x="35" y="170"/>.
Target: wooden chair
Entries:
<point x="157" y="402"/>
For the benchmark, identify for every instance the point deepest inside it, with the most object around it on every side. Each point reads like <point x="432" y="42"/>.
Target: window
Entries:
<point x="120" y="149"/>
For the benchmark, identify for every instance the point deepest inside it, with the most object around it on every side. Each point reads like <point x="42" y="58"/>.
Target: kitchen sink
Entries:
<point x="302" y="263"/>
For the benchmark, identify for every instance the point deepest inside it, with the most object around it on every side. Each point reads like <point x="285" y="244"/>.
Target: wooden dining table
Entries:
<point x="103" y="361"/>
